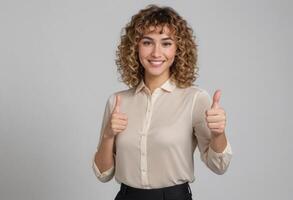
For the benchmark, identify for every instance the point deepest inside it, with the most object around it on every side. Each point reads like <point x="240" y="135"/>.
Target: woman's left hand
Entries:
<point x="216" y="116"/>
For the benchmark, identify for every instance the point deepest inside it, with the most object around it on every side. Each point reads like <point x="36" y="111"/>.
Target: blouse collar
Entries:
<point x="168" y="86"/>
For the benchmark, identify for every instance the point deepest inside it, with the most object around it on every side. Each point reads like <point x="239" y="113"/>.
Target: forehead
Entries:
<point x="160" y="29"/>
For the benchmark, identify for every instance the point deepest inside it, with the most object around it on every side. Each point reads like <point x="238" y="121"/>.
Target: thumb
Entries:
<point x="117" y="104"/>
<point x="216" y="99"/>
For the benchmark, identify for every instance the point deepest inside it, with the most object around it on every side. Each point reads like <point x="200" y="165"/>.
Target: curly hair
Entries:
<point x="184" y="68"/>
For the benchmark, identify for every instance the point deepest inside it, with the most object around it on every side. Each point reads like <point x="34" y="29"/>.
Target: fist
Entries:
<point x="216" y="116"/>
<point x="118" y="121"/>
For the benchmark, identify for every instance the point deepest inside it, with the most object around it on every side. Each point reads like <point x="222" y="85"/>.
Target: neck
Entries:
<point x="154" y="82"/>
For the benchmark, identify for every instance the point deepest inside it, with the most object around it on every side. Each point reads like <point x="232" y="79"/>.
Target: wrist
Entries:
<point x="218" y="143"/>
<point x="108" y="134"/>
<point x="108" y="137"/>
<point x="217" y="135"/>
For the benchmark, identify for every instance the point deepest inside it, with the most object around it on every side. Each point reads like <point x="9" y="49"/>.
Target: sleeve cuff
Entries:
<point x="226" y="151"/>
<point x="219" y="162"/>
<point x="106" y="175"/>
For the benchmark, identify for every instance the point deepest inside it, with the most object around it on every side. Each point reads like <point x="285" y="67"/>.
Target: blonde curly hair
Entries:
<point x="184" y="68"/>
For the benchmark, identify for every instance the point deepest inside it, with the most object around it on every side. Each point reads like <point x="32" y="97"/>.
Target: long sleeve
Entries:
<point x="109" y="173"/>
<point x="217" y="162"/>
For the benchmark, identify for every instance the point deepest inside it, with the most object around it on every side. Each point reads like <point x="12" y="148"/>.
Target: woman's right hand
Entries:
<point x="118" y="121"/>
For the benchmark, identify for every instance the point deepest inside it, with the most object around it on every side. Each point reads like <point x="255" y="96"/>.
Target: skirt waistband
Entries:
<point x="175" y="190"/>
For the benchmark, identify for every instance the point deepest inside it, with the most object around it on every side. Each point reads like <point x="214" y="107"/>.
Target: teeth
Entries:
<point x="156" y="62"/>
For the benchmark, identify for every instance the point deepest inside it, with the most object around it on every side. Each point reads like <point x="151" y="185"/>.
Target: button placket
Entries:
<point x="143" y="146"/>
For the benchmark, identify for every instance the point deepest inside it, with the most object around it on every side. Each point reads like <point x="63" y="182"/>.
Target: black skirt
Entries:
<point x="176" y="192"/>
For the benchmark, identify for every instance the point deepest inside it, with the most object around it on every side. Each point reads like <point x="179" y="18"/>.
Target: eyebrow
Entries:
<point x="146" y="37"/>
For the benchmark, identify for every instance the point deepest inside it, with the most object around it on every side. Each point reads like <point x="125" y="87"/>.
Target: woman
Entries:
<point x="150" y="131"/>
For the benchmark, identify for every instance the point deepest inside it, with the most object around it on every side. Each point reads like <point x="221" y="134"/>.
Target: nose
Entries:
<point x="156" y="52"/>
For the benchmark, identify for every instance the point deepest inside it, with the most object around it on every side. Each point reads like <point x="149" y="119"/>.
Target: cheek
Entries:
<point x="143" y="52"/>
<point x="142" y="56"/>
<point x="171" y="53"/>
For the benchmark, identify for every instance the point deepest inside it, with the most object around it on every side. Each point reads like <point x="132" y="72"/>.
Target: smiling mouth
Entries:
<point x="156" y="63"/>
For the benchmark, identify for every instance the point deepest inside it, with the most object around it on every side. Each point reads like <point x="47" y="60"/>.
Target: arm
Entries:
<point x="215" y="151"/>
<point x="104" y="157"/>
<point x="103" y="161"/>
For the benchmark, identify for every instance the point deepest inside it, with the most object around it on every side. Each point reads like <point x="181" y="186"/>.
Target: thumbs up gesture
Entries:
<point x="118" y="121"/>
<point x="216" y="116"/>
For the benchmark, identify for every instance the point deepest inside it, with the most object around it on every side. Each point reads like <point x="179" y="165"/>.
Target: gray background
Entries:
<point x="58" y="69"/>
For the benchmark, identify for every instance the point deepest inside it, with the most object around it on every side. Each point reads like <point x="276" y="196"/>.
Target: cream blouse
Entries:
<point x="164" y="128"/>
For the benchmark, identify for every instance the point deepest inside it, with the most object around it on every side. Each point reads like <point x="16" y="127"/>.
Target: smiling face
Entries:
<point x="157" y="53"/>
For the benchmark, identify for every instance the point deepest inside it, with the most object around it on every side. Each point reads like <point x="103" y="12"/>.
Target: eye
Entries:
<point x="166" y="44"/>
<point x="146" y="43"/>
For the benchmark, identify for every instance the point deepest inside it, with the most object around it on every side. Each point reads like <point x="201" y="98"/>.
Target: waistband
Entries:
<point x="175" y="190"/>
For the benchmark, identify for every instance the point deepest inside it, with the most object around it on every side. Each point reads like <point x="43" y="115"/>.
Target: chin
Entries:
<point x="154" y="73"/>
